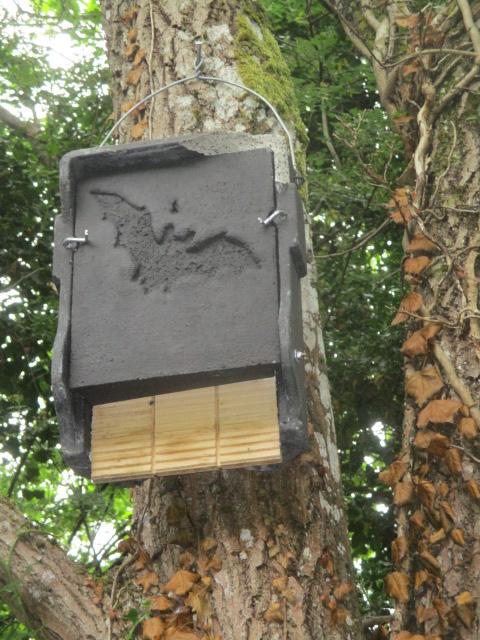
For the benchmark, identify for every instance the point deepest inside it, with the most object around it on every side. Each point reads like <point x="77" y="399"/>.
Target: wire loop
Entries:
<point x="199" y="60"/>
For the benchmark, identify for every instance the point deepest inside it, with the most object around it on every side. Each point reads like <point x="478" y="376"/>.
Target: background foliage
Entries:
<point x="353" y="159"/>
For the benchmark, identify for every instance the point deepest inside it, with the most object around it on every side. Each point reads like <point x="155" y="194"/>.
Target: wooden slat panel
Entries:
<point x="122" y="438"/>
<point x="230" y="425"/>
<point x="185" y="431"/>
<point x="249" y="431"/>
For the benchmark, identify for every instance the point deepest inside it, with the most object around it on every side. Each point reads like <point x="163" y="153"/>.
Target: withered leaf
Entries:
<point x="280" y="584"/>
<point x="438" y="536"/>
<point x="180" y="634"/>
<point x="402" y="493"/>
<point x="208" y="544"/>
<point x="399" y="549"/>
<point x="418" y="519"/>
<point x="420" y="577"/>
<point x="423" y="384"/>
<point x="161" y="603"/>
<point x="399" y="205"/>
<point x="142" y="560"/>
<point x="457" y="537"/>
<point x="416" y="265"/>
<point x="442" y="608"/>
<point x="407" y="22"/>
<point x="139" y="57"/>
<point x="137" y="130"/>
<point x="447" y="509"/>
<point x="453" y="459"/>
<point x="342" y="590"/>
<point x="465" y="614"/>
<point x="215" y="563"/>
<point x="152" y="629"/>
<point x="468" y="428"/>
<point x="419" y="242"/>
<point x="430" y="330"/>
<point x="438" y="411"/>
<point x="130" y="49"/>
<point x="181" y="582"/>
<point x="423" y="614"/>
<point x="186" y="559"/>
<point x="198" y="600"/>
<point x="132" y="34"/>
<point x="274" y="613"/>
<point x="429" y="561"/>
<point x="426" y="493"/>
<point x="134" y="75"/>
<point x="423" y="438"/>
<point x="439" y="445"/>
<point x="396" y="584"/>
<point x="339" y="616"/>
<point x="411" y="303"/>
<point x="464" y="598"/>
<point x="410" y="68"/>
<point x="129" y="15"/>
<point x="473" y="489"/>
<point x="415" y="345"/>
<point x="394" y="472"/>
<point x="405" y="119"/>
<point x="147" y="581"/>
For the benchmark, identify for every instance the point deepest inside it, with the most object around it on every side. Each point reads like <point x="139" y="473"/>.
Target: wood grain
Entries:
<point x="230" y="425"/>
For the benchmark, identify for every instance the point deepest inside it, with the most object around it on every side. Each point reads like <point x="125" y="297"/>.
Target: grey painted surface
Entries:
<point x="179" y="284"/>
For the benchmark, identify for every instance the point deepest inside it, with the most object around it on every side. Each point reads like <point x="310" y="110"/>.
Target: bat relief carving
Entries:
<point x="161" y="258"/>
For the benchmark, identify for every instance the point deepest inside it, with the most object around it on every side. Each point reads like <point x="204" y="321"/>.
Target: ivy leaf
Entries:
<point x="181" y="582"/>
<point x="411" y="303"/>
<point x="396" y="584"/>
<point x="423" y="384"/>
<point x="152" y="629"/>
<point x="399" y="549"/>
<point x="467" y="427"/>
<point x="438" y="411"/>
<point x="403" y="493"/>
<point x="414" y="266"/>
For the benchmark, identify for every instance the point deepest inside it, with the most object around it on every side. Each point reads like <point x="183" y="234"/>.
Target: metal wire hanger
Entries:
<point x="199" y="60"/>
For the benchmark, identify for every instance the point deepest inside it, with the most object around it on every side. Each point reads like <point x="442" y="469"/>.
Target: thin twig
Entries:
<point x="364" y="240"/>
<point x="427" y="52"/>
<point x="467" y="453"/>
<point x="149" y="65"/>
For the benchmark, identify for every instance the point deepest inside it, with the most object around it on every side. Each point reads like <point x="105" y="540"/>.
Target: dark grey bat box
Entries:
<point x="170" y="280"/>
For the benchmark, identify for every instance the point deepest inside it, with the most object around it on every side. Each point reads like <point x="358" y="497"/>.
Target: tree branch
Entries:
<point x="43" y="588"/>
<point x="27" y="129"/>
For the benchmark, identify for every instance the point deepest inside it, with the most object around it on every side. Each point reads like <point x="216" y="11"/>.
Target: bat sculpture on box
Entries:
<point x="161" y="258"/>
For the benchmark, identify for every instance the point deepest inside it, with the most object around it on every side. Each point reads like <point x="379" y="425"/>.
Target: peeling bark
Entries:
<point x="289" y="523"/>
<point x="42" y="587"/>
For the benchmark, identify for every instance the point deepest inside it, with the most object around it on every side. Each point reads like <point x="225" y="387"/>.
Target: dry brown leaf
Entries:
<point x="473" y="489"/>
<point x="137" y="130"/>
<point x="186" y="559"/>
<point x="411" y="303"/>
<point x="405" y="119"/>
<point x="402" y="493"/>
<point x="441" y="607"/>
<point x="339" y="616"/>
<point x="199" y="601"/>
<point x="342" y="590"/>
<point x="393" y="473"/>
<point x="408" y="22"/>
<point x="161" y="603"/>
<point x="414" y="266"/>
<point x="419" y="242"/>
<point x="274" y="613"/>
<point x="129" y="15"/>
<point x="280" y="584"/>
<point x="426" y="493"/>
<point x="180" y="634"/>
<point x="130" y="49"/>
<point x="396" y="584"/>
<point x="132" y="34"/>
<point x="447" y="509"/>
<point x="464" y="598"/>
<point x="423" y="384"/>
<point x="415" y="345"/>
<point x="420" y="578"/>
<point x="147" y="581"/>
<point x="439" y="445"/>
<point x="430" y="330"/>
<point x="215" y="563"/>
<point x="429" y="561"/>
<point x="457" y="537"/>
<point x="208" y="544"/>
<point x="410" y="68"/>
<point x="454" y="461"/>
<point x="438" y="536"/>
<point x="142" y="560"/>
<point x="181" y="582"/>
<point x="423" y="438"/>
<point x="468" y="428"/>
<point x="152" y="629"/>
<point x="418" y="519"/>
<point x="438" y="411"/>
<point x="423" y="614"/>
<point x="134" y="75"/>
<point x="399" y="549"/>
<point x="466" y="615"/>
<point x="139" y="57"/>
<point x="443" y="489"/>
<point x="400" y="207"/>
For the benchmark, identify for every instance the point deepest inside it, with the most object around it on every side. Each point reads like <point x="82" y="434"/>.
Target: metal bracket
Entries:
<point x="278" y="213"/>
<point x="71" y="243"/>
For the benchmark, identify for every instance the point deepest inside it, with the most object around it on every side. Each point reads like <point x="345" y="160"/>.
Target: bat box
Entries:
<point x="179" y="341"/>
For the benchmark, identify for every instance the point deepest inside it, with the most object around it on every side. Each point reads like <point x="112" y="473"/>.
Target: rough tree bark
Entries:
<point x="276" y="543"/>
<point x="427" y="66"/>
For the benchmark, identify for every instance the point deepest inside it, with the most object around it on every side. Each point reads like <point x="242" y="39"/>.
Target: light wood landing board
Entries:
<point x="231" y="425"/>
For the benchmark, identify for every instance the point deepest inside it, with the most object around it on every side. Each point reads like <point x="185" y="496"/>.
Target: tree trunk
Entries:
<point x="42" y="587"/>
<point x="274" y="544"/>
<point x="427" y="67"/>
